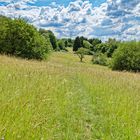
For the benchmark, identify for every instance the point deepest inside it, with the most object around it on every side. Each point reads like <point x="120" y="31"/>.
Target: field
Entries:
<point x="63" y="99"/>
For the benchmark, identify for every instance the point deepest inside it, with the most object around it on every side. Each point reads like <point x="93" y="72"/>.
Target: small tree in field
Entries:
<point x="81" y="53"/>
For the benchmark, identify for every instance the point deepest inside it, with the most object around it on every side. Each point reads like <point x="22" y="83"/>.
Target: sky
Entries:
<point x="102" y="19"/>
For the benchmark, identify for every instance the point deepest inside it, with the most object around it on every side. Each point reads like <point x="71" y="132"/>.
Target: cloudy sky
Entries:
<point x="69" y="18"/>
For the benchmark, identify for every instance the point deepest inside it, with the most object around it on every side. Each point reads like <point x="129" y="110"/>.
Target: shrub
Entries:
<point x="21" y="39"/>
<point x="127" y="57"/>
<point x="100" y="59"/>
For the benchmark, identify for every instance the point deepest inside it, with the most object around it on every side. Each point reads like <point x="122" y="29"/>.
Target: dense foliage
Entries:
<point x="62" y="44"/>
<point x="77" y="44"/>
<point x="99" y="58"/>
<point x="94" y="42"/>
<point x="50" y="35"/>
<point x="127" y="57"/>
<point x="21" y="39"/>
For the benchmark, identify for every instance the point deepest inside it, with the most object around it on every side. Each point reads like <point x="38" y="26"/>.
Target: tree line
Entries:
<point x="115" y="54"/>
<point x="21" y="39"/>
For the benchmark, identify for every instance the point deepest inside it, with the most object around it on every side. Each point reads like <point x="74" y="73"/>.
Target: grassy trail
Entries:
<point x="63" y="99"/>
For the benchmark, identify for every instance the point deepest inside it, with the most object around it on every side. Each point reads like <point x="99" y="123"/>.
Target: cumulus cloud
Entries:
<point x="114" y="18"/>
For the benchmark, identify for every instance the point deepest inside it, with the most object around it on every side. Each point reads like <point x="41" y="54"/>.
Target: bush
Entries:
<point x="21" y="39"/>
<point x="100" y="59"/>
<point x="127" y="57"/>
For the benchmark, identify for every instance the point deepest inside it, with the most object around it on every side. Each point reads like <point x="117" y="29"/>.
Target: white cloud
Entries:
<point x="115" y="18"/>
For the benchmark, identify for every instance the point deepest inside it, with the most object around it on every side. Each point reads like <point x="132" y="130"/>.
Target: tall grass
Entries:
<point x="63" y="99"/>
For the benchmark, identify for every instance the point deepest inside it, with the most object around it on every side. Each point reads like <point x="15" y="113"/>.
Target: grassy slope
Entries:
<point x="63" y="99"/>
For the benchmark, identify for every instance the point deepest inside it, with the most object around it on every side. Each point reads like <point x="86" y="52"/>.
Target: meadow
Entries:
<point x="63" y="99"/>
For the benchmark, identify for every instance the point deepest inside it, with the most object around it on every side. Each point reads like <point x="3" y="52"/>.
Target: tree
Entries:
<point x="81" y="53"/>
<point x="53" y="40"/>
<point x="21" y="39"/>
<point x="61" y="45"/>
<point x="113" y="45"/>
<point x="94" y="42"/>
<point x="102" y="48"/>
<point x="82" y="39"/>
<point x="51" y="36"/>
<point x="45" y="34"/>
<point x="87" y="45"/>
<point x="127" y="57"/>
<point x="77" y="44"/>
<point x="70" y="42"/>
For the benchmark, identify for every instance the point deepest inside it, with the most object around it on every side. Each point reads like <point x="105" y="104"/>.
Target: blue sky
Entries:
<point x="64" y="2"/>
<point x="103" y="19"/>
<point x="59" y="2"/>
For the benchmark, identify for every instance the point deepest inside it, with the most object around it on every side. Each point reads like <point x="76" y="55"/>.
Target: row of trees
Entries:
<point x="57" y="44"/>
<point x="19" y="38"/>
<point x="115" y="54"/>
<point x="96" y="45"/>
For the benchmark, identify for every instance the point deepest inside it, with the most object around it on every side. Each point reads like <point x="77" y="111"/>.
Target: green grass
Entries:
<point x="63" y="99"/>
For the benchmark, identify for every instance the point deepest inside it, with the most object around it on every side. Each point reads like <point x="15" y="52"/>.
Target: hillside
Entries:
<point x="63" y="99"/>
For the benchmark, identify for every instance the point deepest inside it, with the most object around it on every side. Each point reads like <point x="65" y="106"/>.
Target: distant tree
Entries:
<point x="90" y="40"/>
<point x="82" y="39"/>
<point x="81" y="52"/>
<point x="77" y="44"/>
<point x="87" y="45"/>
<point x="45" y="34"/>
<point x="113" y="45"/>
<point x="101" y="48"/>
<point x="94" y="42"/>
<point x="53" y="40"/>
<point x="51" y="36"/>
<point x="61" y="44"/>
<point x="68" y="42"/>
